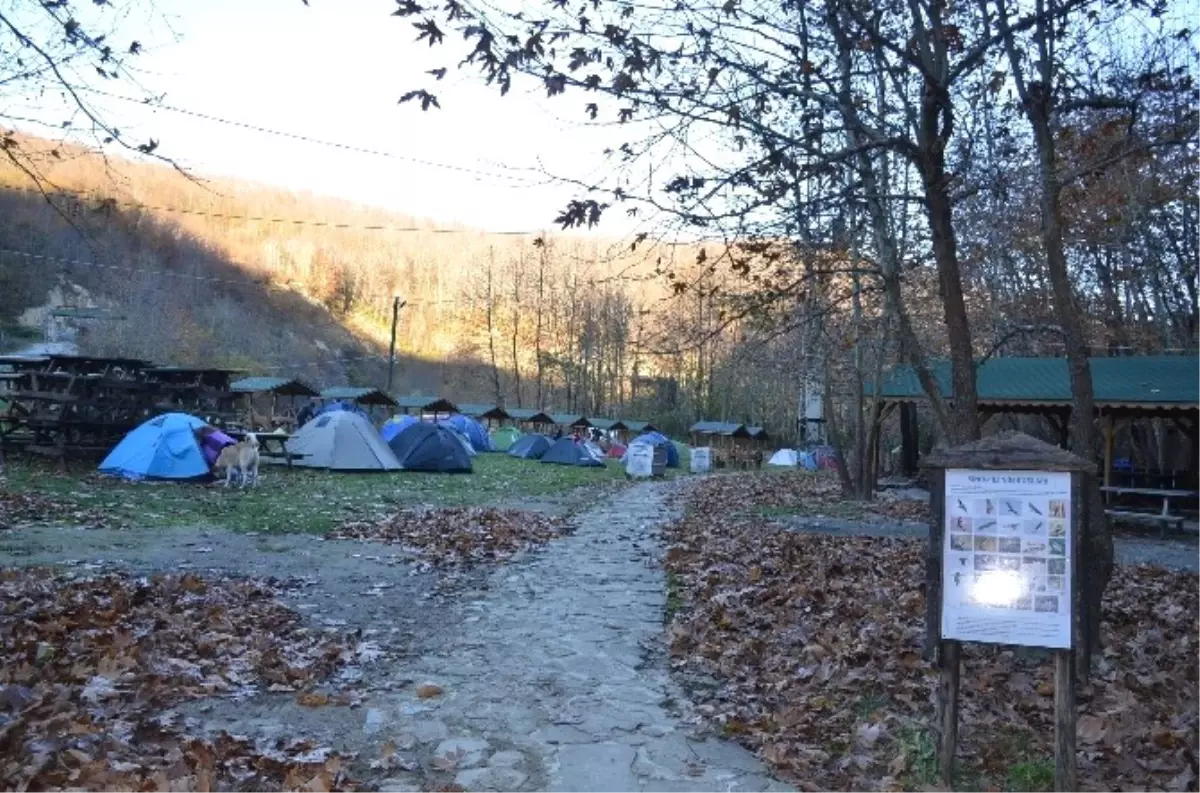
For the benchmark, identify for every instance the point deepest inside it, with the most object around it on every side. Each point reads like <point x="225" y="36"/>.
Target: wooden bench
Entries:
<point x="1164" y="518"/>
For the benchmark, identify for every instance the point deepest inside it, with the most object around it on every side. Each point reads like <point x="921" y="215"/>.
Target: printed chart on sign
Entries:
<point x="1007" y="557"/>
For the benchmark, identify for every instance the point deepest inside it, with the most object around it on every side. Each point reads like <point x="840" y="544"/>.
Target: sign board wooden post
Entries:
<point x="1002" y="567"/>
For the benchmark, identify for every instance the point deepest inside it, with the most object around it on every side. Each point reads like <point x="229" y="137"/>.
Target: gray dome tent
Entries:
<point x="342" y="441"/>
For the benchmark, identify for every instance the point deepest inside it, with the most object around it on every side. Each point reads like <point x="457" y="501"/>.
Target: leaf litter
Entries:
<point x="807" y="649"/>
<point x="17" y="509"/>
<point x="458" y="535"/>
<point x="90" y="667"/>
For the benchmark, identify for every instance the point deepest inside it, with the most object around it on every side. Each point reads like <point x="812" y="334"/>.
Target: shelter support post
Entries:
<point x="1064" y="720"/>
<point x="947" y="704"/>
<point x="1108" y="429"/>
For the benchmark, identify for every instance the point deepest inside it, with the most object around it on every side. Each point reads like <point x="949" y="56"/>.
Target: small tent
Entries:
<point x="473" y="431"/>
<point x="616" y="451"/>
<point x="785" y="457"/>
<point x="530" y="447"/>
<point x="395" y="425"/>
<point x="165" y="447"/>
<point x="341" y="440"/>
<point x="505" y="437"/>
<point x="430" y="447"/>
<point x="566" y="451"/>
<point x="658" y="439"/>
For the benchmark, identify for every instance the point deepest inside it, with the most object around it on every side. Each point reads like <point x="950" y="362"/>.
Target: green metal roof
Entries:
<point x="569" y="420"/>
<point x="719" y="428"/>
<point x="633" y="425"/>
<point x="481" y="410"/>
<point x="1132" y="380"/>
<point x="758" y="433"/>
<point x="530" y="414"/>
<point x="364" y="396"/>
<point x="607" y="424"/>
<point x="431" y="404"/>
<point x="287" y="386"/>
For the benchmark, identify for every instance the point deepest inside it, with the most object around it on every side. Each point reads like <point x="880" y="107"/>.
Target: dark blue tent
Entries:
<point x="396" y="425"/>
<point x="428" y="447"/>
<point x="658" y="439"/>
<point x="566" y="451"/>
<point x="530" y="447"/>
<point x="474" y="432"/>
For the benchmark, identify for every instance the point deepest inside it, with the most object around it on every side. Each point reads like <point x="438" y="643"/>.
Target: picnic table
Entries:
<point x="271" y="445"/>
<point x="1165" y="518"/>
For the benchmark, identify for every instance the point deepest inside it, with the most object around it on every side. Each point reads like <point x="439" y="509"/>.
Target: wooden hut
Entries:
<point x="372" y="400"/>
<point x="485" y="413"/>
<point x="261" y="405"/>
<point x="425" y="407"/>
<point x="531" y="419"/>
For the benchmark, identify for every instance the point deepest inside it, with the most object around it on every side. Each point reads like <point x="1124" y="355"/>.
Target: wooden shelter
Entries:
<point x="484" y="412"/>
<point x="572" y="421"/>
<point x="260" y="400"/>
<point x="531" y="419"/>
<point x="1126" y="388"/>
<point x="425" y="406"/>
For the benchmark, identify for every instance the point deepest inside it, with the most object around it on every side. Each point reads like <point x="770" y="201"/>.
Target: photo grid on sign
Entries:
<point x="1022" y="536"/>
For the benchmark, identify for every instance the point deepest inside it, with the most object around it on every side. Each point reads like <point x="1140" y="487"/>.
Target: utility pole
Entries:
<point x="397" y="304"/>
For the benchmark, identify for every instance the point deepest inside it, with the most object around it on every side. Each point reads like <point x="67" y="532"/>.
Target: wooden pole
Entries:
<point x="396" y="305"/>
<point x="947" y="702"/>
<point x="1064" y="721"/>
<point x="1109" y="431"/>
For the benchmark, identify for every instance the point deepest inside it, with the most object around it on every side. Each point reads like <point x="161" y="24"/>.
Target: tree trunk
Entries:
<point x="490" y="298"/>
<point x="935" y="126"/>
<point x="1096" y="545"/>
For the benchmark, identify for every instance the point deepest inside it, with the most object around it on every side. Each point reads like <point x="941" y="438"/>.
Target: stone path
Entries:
<point x="553" y="679"/>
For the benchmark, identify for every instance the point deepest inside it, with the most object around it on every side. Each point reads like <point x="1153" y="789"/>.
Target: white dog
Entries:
<point x="242" y="457"/>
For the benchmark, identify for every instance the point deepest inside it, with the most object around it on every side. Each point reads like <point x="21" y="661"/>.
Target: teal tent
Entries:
<point x="164" y="447"/>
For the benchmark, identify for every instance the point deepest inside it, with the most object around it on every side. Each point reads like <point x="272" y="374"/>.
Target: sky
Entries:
<point x="334" y="71"/>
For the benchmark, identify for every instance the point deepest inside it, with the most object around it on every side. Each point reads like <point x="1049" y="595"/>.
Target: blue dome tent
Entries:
<point x="658" y="439"/>
<point x="428" y="447"/>
<point x="165" y="447"/>
<point x="474" y="432"/>
<point x="395" y="425"/>
<point x="530" y="447"/>
<point x="566" y="451"/>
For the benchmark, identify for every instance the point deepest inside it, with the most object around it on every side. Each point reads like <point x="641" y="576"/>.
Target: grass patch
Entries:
<point x="918" y="746"/>
<point x="1031" y="775"/>
<point x="303" y="500"/>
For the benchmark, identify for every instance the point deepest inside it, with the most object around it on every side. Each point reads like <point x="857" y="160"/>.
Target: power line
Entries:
<point x="276" y="220"/>
<point x="306" y="139"/>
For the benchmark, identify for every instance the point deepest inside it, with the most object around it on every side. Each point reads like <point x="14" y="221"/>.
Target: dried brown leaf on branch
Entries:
<point x="459" y="535"/>
<point x="813" y="643"/>
<point x="89" y="668"/>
